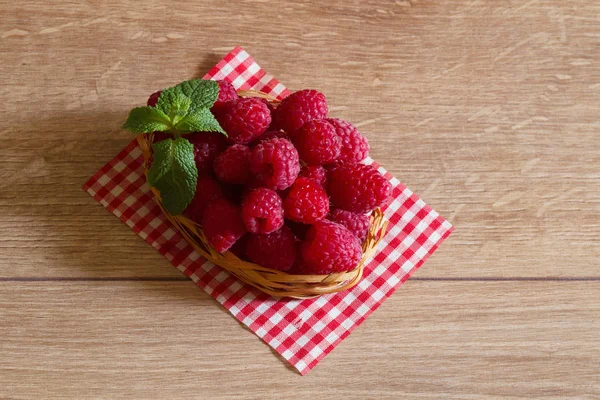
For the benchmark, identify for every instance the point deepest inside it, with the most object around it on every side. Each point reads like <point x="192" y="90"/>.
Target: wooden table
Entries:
<point x="488" y="110"/>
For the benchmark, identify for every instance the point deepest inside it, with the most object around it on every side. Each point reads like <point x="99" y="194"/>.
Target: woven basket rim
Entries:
<point x="273" y="282"/>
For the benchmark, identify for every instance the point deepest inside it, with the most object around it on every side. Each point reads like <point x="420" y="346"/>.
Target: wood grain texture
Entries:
<point x="488" y="110"/>
<point x="170" y="340"/>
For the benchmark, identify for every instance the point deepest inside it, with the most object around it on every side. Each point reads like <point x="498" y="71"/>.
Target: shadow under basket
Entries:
<point x="270" y="281"/>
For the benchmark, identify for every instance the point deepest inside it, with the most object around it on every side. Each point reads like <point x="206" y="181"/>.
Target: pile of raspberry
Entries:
<point x="286" y="188"/>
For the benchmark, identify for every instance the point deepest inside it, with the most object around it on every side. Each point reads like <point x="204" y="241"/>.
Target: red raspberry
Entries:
<point x="233" y="165"/>
<point x="239" y="248"/>
<point x="317" y="142"/>
<point x="315" y="172"/>
<point x="307" y="202"/>
<point x="153" y="99"/>
<point x="298" y="108"/>
<point x="276" y="250"/>
<point x="358" y="188"/>
<point x="262" y="210"/>
<point x="226" y="93"/>
<point x="269" y="135"/>
<point x="275" y="163"/>
<point x="269" y="105"/>
<point x="284" y="193"/>
<point x="329" y="247"/>
<point x="206" y="147"/>
<point x="298" y="268"/>
<point x="207" y="190"/>
<point x="222" y="224"/>
<point x="298" y="229"/>
<point x="233" y="193"/>
<point x="244" y="119"/>
<point x="331" y="167"/>
<point x="355" y="147"/>
<point x="355" y="223"/>
<point x="160" y="136"/>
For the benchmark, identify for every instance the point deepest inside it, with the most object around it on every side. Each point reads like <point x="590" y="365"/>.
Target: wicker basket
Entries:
<point x="272" y="282"/>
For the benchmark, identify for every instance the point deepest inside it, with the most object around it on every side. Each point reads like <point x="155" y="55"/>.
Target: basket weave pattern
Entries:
<point x="273" y="282"/>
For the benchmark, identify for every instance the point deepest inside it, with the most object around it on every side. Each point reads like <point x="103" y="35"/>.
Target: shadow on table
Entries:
<point x="53" y="228"/>
<point x="60" y="230"/>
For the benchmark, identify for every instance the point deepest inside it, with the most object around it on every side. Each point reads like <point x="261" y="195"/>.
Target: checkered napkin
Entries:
<point x="302" y="331"/>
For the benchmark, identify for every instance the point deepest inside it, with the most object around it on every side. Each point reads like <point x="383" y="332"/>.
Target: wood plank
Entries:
<point x="169" y="340"/>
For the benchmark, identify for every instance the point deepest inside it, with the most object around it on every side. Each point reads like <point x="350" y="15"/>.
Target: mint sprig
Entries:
<point x="147" y="119"/>
<point x="181" y="109"/>
<point x="174" y="173"/>
<point x="189" y="101"/>
<point x="201" y="120"/>
<point x="203" y="93"/>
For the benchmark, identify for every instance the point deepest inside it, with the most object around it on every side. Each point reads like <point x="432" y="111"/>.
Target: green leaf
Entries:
<point x="203" y="92"/>
<point x="174" y="103"/>
<point x="201" y="120"/>
<point x="174" y="173"/>
<point x="182" y="108"/>
<point x="147" y="119"/>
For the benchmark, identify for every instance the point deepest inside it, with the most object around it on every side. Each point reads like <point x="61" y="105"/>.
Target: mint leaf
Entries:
<point x="203" y="93"/>
<point x="187" y="105"/>
<point x="182" y="108"/>
<point x="147" y="119"/>
<point x="201" y="120"/>
<point x="174" y="103"/>
<point x="174" y="173"/>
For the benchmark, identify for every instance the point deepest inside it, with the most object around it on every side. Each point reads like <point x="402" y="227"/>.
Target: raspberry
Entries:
<point x="153" y="99"/>
<point x="298" y="108"/>
<point x="315" y="172"/>
<point x="358" y="188"/>
<point x="160" y="136"/>
<point x="269" y="135"/>
<point x="233" y="193"/>
<point x="206" y="147"/>
<point x="355" y="223"/>
<point x="244" y="119"/>
<point x="298" y="229"/>
<point x="262" y="210"/>
<point x="298" y="268"/>
<point x="223" y="224"/>
<point x="331" y="167"/>
<point x="355" y="147"/>
<point x="269" y="105"/>
<point x="307" y="202"/>
<point x="317" y="142"/>
<point x="233" y="165"/>
<point x="207" y="190"/>
<point x="226" y="93"/>
<point x="239" y="248"/>
<point x="329" y="247"/>
<point x="276" y="250"/>
<point x="275" y="163"/>
<point x="284" y="193"/>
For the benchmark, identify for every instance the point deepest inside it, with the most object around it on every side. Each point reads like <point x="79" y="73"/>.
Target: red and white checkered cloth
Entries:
<point x="302" y="331"/>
